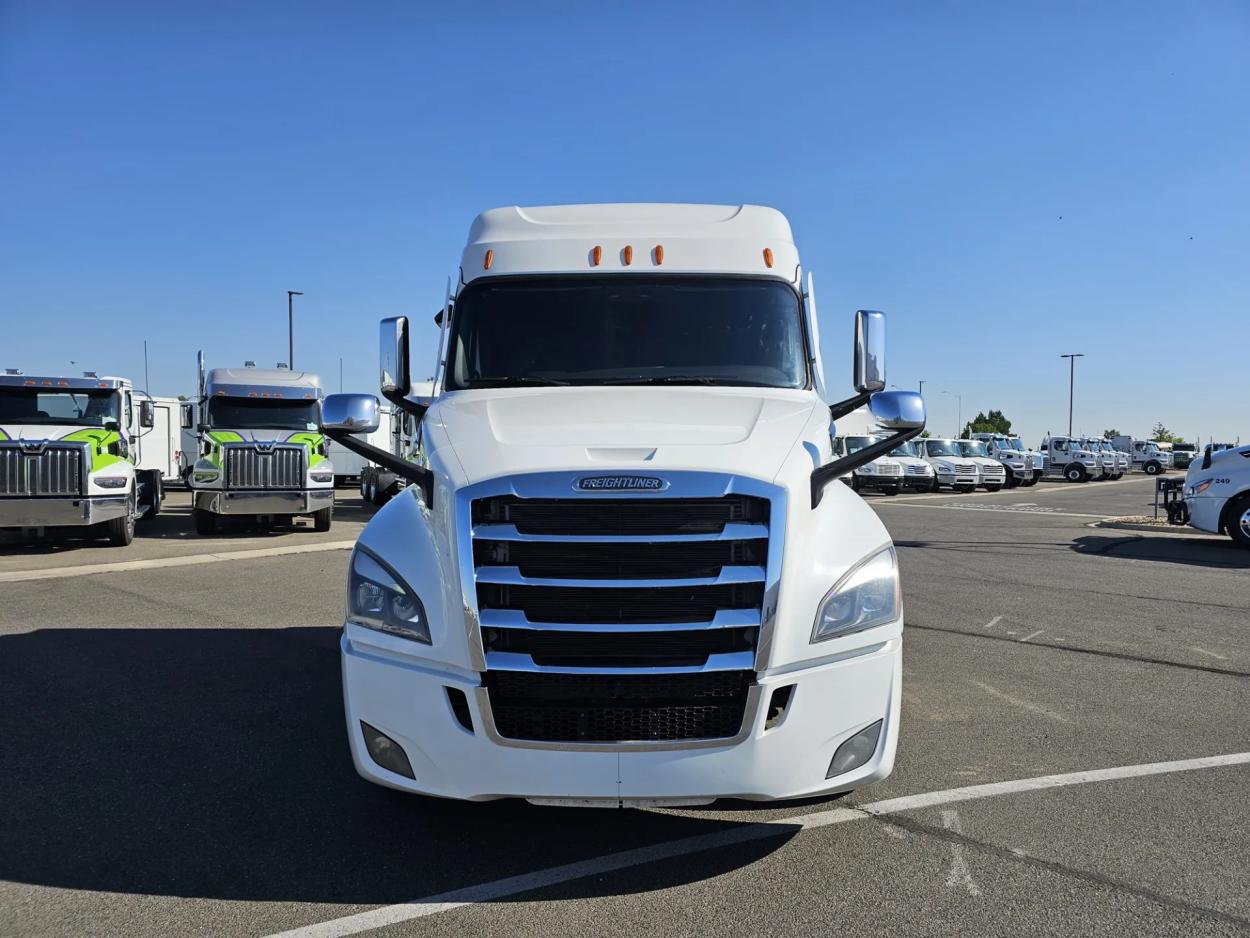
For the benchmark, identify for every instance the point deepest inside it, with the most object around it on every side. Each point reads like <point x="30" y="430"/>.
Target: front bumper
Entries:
<point x="1204" y="512"/>
<point x="830" y="703"/>
<point x="243" y="502"/>
<point x="959" y="478"/>
<point x="62" y="512"/>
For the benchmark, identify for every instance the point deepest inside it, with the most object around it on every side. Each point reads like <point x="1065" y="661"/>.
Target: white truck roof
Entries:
<point x="261" y="382"/>
<point x="87" y="382"/>
<point x="631" y="238"/>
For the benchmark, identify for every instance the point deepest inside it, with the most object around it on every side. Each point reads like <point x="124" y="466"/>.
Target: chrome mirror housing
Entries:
<point x="393" y="378"/>
<point x="350" y="413"/>
<point x="897" y="410"/>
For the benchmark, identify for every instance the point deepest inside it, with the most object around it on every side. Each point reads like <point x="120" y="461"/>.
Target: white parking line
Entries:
<point x="1005" y="509"/>
<point x="960" y="873"/>
<point x="90" y="569"/>
<point x="553" y="876"/>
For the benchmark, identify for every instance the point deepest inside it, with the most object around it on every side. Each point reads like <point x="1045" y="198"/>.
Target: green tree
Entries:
<point x="993" y="422"/>
<point x="1161" y="434"/>
<point x="1110" y="434"/>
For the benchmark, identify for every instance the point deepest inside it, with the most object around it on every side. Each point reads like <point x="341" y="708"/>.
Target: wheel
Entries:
<point x="158" y="495"/>
<point x="1153" y="468"/>
<point x="121" y="531"/>
<point x="965" y="489"/>
<point x="205" y="521"/>
<point x="992" y="488"/>
<point x="322" y="518"/>
<point x="1074" y="473"/>
<point x="1237" y="524"/>
<point x="855" y="484"/>
<point x="891" y="490"/>
<point x="934" y="486"/>
<point x="1012" y="481"/>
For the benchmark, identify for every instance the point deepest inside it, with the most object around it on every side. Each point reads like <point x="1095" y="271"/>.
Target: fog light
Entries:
<point x="390" y="754"/>
<point x="855" y="751"/>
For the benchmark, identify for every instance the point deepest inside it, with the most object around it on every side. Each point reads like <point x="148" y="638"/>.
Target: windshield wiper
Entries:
<point x="515" y="381"/>
<point x="661" y="379"/>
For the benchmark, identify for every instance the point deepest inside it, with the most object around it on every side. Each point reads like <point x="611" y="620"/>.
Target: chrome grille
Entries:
<point x="582" y="600"/>
<point x="916" y="471"/>
<point x="965" y="468"/>
<point x="54" y="469"/>
<point x="888" y="469"/>
<point x="250" y="467"/>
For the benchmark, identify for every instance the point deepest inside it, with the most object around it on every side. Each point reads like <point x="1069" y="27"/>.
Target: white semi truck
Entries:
<point x="621" y="574"/>
<point x="1020" y="466"/>
<point x="1217" y="494"/>
<point x="883" y="474"/>
<point x="261" y="453"/>
<point x="991" y="474"/>
<point x="1067" y="457"/>
<point x="1145" y="454"/>
<point x="70" y="455"/>
<point x="950" y="466"/>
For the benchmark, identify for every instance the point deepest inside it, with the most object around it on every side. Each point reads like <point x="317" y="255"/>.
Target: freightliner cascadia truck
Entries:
<point x="70" y="451"/>
<point x="625" y="573"/>
<point x="261" y="451"/>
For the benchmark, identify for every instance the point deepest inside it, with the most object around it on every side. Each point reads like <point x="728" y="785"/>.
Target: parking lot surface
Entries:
<point x="174" y="761"/>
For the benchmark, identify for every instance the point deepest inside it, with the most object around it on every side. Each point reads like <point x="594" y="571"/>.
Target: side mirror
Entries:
<point x="147" y="414"/>
<point x="185" y="410"/>
<point x="897" y="410"/>
<point x="869" y="368"/>
<point x="350" y="413"/>
<point x="393" y="352"/>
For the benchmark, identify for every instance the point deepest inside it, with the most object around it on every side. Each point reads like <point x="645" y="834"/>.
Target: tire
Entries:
<point x="892" y="490"/>
<point x="965" y="489"/>
<point x="1012" y="481"/>
<point x="322" y="519"/>
<point x="935" y="486"/>
<point x="1074" y="473"/>
<point x="1152" y="468"/>
<point x="158" y="495"/>
<point x="992" y="488"/>
<point x="205" y="521"/>
<point x="1237" y="520"/>
<point x="121" y="531"/>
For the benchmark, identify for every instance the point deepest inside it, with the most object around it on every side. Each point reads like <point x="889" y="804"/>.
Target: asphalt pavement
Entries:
<point x="174" y="761"/>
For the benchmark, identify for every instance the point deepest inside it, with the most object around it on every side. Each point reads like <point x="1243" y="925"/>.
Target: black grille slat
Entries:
<point x="620" y="649"/>
<point x="611" y="708"/>
<point x="620" y="516"/>
<point x="621" y="559"/>
<point x="642" y="604"/>
<point x="278" y="467"/>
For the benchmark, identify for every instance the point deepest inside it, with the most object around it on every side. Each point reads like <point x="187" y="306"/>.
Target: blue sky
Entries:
<point x="1008" y="181"/>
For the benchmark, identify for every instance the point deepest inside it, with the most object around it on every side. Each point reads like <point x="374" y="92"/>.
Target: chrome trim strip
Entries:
<point x="517" y="619"/>
<point x="511" y="576"/>
<point x="512" y="661"/>
<point x="734" y="531"/>
<point x="750" y="717"/>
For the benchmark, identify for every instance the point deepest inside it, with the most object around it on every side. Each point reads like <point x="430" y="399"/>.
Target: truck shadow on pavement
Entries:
<point x="1195" y="551"/>
<point x="212" y="763"/>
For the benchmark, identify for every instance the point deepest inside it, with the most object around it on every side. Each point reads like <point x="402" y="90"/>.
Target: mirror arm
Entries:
<point x="842" y="408"/>
<point x="418" y="475"/>
<point x="400" y="400"/>
<point x="823" y="475"/>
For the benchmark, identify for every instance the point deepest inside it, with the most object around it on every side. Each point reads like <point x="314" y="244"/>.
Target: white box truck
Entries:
<point x="622" y="574"/>
<point x="71" y="455"/>
<point x="261" y="451"/>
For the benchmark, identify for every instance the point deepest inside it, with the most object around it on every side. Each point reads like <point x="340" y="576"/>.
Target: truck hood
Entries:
<point x="224" y="435"/>
<point x="40" y="431"/>
<point x="741" y="430"/>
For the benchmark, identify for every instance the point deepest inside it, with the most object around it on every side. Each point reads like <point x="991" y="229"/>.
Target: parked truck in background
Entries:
<point x="71" y="455"/>
<point x="950" y="466"/>
<point x="991" y="474"/>
<point x="1144" y="454"/>
<point x="1108" y="461"/>
<point x="620" y="573"/>
<point x="1183" y="454"/>
<point x="1066" y="457"/>
<point x="261" y="453"/>
<point x="1018" y="463"/>
<point x="883" y="474"/>
<point x="399" y="432"/>
<point x="917" y="473"/>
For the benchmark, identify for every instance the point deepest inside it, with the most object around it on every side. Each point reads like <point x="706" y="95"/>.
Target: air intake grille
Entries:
<point x="247" y="467"/>
<point x="620" y="516"/>
<point x="53" y="470"/>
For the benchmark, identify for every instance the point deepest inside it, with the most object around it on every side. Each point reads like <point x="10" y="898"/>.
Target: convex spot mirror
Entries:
<point x="869" y="367"/>
<point x="350" y="413"/>
<point x="897" y="410"/>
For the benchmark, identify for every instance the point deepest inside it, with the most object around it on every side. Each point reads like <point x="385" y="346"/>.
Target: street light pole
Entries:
<point x="1071" y="383"/>
<point x="922" y="387"/>
<point x="290" y="327"/>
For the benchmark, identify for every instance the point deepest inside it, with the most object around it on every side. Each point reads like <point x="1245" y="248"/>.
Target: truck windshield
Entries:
<point x="1017" y="444"/>
<point x="904" y="449"/>
<point x="942" y="448"/>
<point x="73" y="408"/>
<point x="607" y="330"/>
<point x="243" y="413"/>
<point x="973" y="448"/>
<point x="855" y="443"/>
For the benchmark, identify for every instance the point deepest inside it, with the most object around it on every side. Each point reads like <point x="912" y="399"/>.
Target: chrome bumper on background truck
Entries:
<point x="233" y="502"/>
<point x="62" y="512"/>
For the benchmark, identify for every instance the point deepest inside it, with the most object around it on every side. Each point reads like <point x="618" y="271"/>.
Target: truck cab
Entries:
<point x="1144" y="454"/>
<point x="261" y="453"/>
<point x="1017" y="463"/>
<point x="1068" y="458"/>
<point x="1108" y="462"/>
<point x="621" y="573"/>
<point x="69" y="454"/>
<point x="950" y="466"/>
<point x="885" y="474"/>
<point x="1217" y="493"/>
<point x="1183" y="454"/>
<point x="990" y="472"/>
<point x="1119" y="464"/>
<point x="917" y="473"/>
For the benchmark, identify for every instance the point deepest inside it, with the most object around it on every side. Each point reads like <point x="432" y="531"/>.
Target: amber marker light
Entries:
<point x="627" y="255"/>
<point x="659" y="254"/>
<point x="596" y="256"/>
<point x="768" y="257"/>
<point x="490" y="259"/>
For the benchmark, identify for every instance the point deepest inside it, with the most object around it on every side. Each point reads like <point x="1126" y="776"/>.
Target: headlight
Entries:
<point x="112" y="482"/>
<point x="867" y="596"/>
<point x="868" y="468"/>
<point x="206" y="475"/>
<point x="379" y="599"/>
<point x="1199" y="487"/>
<point x="945" y="469"/>
<point x="321" y="476"/>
